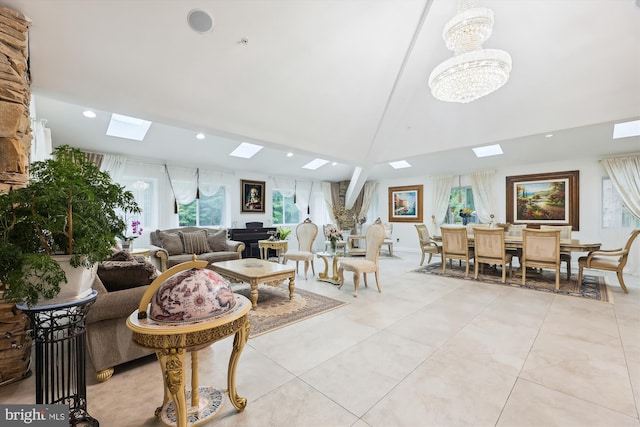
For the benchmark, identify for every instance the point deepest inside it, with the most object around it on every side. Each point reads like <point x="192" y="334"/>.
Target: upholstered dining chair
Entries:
<point x="540" y="248"/>
<point x="427" y="244"/>
<point x="455" y="245"/>
<point x="565" y="234"/>
<point x="489" y="249"/>
<point x="306" y="233"/>
<point x="388" y="238"/>
<point x="368" y="264"/>
<point x="610" y="260"/>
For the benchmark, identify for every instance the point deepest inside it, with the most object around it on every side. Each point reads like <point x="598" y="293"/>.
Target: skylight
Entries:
<point x="627" y="129"/>
<point x="400" y="164"/>
<point x="127" y="127"/>
<point x="246" y="150"/>
<point x="488" y="150"/>
<point x="315" y="164"/>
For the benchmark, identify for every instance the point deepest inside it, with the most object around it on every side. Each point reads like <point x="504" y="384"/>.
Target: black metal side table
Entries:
<point x="59" y="338"/>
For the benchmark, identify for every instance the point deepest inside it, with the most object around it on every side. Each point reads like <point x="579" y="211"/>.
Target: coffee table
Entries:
<point x="255" y="271"/>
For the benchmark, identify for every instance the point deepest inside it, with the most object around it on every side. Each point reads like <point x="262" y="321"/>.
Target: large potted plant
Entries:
<point x="70" y="212"/>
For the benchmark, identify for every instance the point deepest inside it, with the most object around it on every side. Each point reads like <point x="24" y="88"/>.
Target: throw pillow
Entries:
<point x="217" y="240"/>
<point x="171" y="242"/>
<point x="119" y="255"/>
<point x="195" y="242"/>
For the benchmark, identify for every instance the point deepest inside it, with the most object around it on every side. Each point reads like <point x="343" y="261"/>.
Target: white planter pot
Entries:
<point x="79" y="282"/>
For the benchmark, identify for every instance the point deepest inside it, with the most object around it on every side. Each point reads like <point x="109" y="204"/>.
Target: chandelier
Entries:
<point x="473" y="72"/>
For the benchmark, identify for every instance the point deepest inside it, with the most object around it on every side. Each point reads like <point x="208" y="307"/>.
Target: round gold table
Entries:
<point x="172" y="340"/>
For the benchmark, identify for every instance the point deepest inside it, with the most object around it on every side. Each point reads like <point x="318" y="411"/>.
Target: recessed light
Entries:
<point x="626" y="130"/>
<point x="315" y="164"/>
<point x="488" y="150"/>
<point x="246" y="150"/>
<point x="289" y="154"/>
<point x="400" y="164"/>
<point x="88" y="113"/>
<point x="200" y="135"/>
<point x="127" y="127"/>
<point x="334" y="163"/>
<point x="549" y="135"/>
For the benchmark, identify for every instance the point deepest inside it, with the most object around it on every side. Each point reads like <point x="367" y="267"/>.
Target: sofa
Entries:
<point x="120" y="283"/>
<point x="177" y="245"/>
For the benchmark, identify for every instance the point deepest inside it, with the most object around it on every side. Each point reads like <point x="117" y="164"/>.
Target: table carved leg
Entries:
<point x="254" y="294"/>
<point x="172" y="365"/>
<point x="239" y="341"/>
<point x="292" y="285"/>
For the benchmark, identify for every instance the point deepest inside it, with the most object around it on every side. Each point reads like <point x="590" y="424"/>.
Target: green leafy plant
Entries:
<point x="69" y="207"/>
<point x="284" y="233"/>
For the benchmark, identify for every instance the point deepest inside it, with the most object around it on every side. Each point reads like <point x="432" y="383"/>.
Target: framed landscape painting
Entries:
<point x="405" y="204"/>
<point x="252" y="200"/>
<point x="544" y="198"/>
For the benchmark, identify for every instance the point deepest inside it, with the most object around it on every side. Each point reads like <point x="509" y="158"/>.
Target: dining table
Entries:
<point x="566" y="245"/>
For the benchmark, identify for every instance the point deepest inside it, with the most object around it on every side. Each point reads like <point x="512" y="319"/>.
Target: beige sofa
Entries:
<point x="177" y="245"/>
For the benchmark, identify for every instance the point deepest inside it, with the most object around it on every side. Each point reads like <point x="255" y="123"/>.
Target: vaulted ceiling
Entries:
<point x="345" y="81"/>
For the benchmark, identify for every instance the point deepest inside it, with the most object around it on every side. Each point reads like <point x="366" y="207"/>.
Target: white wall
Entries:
<point x="591" y="174"/>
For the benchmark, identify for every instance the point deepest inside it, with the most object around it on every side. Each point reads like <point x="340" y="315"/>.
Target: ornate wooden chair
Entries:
<point x="306" y="233"/>
<point x="427" y="244"/>
<point x="540" y="248"/>
<point x="489" y="249"/>
<point x="610" y="260"/>
<point x="388" y="237"/>
<point x="565" y="234"/>
<point x="374" y="238"/>
<point x="455" y="245"/>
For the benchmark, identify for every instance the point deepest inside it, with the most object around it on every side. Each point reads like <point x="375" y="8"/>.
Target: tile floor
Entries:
<point x="427" y="351"/>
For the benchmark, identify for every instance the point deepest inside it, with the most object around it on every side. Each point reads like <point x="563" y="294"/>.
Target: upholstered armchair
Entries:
<point x="540" y="248"/>
<point x="374" y="238"/>
<point x="455" y="245"/>
<point x="427" y="244"/>
<point x="610" y="260"/>
<point x="306" y="233"/>
<point x="489" y="249"/>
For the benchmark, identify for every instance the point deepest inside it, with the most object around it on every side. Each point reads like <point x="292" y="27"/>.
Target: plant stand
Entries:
<point x="59" y="334"/>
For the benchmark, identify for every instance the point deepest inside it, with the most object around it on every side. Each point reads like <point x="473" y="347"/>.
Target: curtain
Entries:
<point x="303" y="196"/>
<point x="368" y="192"/>
<point x="483" y="197"/>
<point x="440" y="200"/>
<point x="41" y="146"/>
<point x="95" y="158"/>
<point x="114" y="166"/>
<point x="210" y="182"/>
<point x="183" y="182"/>
<point x="286" y="186"/>
<point x="625" y="176"/>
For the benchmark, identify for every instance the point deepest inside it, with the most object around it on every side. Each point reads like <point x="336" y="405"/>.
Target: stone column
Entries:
<point x="15" y="95"/>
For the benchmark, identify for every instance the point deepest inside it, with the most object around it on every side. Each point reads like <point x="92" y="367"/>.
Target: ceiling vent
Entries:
<point x="200" y="21"/>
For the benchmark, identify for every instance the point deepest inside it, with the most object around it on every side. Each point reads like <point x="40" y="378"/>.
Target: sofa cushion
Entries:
<point x="119" y="275"/>
<point x="120" y="255"/>
<point x="217" y="240"/>
<point x="195" y="242"/>
<point x="171" y="242"/>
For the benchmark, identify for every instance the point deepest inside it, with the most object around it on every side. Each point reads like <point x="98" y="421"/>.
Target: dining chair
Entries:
<point x="610" y="260"/>
<point x="565" y="234"/>
<point x="489" y="249"/>
<point x="540" y="248"/>
<point x="427" y="244"/>
<point x="388" y="238"/>
<point x="455" y="245"/>
<point x="306" y="233"/>
<point x="368" y="264"/>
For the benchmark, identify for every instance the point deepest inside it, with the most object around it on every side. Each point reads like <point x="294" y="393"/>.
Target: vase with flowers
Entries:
<point x="127" y="239"/>
<point x="465" y="214"/>
<point x="334" y="234"/>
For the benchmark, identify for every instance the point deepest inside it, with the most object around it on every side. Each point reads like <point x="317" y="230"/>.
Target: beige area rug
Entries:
<point x="275" y="310"/>
<point x="593" y="287"/>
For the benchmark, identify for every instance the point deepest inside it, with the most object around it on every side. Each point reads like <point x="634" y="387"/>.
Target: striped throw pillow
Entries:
<point x="195" y="242"/>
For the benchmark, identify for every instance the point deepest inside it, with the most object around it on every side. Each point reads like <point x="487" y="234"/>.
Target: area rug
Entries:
<point x="593" y="287"/>
<point x="275" y="310"/>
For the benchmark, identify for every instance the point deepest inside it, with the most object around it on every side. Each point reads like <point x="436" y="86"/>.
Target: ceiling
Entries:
<point x="345" y="81"/>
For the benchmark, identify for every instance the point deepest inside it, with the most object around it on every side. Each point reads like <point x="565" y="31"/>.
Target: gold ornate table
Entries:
<point x="333" y="276"/>
<point x="280" y="246"/>
<point x="172" y="340"/>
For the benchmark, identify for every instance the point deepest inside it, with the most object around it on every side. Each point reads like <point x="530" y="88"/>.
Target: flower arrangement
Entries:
<point x="465" y="213"/>
<point x="136" y="231"/>
<point x="334" y="234"/>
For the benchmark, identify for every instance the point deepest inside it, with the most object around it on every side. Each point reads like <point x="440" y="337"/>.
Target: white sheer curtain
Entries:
<point x="369" y="191"/>
<point x="183" y="181"/>
<point x="483" y="196"/>
<point x="625" y="176"/>
<point x="303" y="196"/>
<point x="114" y="166"/>
<point x="286" y="186"/>
<point x="328" y="198"/>
<point x="210" y="182"/>
<point x="440" y="200"/>
<point x="41" y="146"/>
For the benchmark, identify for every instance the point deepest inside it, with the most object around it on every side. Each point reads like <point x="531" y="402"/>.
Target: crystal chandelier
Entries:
<point x="473" y="72"/>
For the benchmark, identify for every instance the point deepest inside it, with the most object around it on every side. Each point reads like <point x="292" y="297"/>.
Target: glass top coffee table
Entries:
<point x="330" y="276"/>
<point x="256" y="271"/>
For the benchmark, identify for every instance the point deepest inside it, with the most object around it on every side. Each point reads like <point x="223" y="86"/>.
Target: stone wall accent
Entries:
<point x="15" y="95"/>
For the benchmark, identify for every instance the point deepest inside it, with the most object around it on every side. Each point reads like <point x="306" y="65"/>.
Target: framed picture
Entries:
<point x="405" y="203"/>
<point x="252" y="196"/>
<point x="544" y="198"/>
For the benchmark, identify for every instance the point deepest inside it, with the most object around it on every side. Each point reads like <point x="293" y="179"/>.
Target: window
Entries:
<point x="284" y="211"/>
<point x="461" y="198"/>
<point x="207" y="211"/>
<point x="144" y="191"/>
<point x="614" y="213"/>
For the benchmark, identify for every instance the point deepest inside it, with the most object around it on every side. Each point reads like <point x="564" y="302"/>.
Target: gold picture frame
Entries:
<point x="405" y="203"/>
<point x="544" y="199"/>
<point x="252" y="200"/>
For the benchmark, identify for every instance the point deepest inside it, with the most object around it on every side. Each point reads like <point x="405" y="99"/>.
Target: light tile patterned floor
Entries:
<point x="427" y="351"/>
